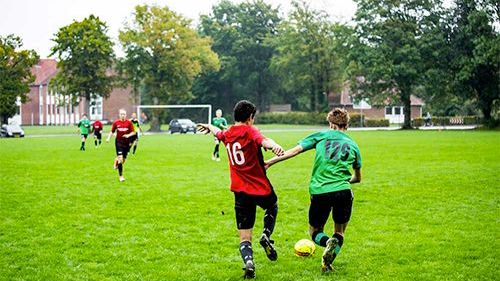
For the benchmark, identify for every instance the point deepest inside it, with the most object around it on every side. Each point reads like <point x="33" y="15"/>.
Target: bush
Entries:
<point x="296" y="118"/>
<point x="381" y="122"/>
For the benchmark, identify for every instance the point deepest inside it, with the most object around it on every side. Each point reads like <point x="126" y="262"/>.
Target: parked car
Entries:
<point x="182" y="126"/>
<point x="11" y="131"/>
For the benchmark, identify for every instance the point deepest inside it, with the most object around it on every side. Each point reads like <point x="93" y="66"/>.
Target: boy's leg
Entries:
<point x="270" y="205"/>
<point x="245" y="210"/>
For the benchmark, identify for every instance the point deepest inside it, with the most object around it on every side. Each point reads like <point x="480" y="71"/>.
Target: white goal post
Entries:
<point x="209" y="106"/>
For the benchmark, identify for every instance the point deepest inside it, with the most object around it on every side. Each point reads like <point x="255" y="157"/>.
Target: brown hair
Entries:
<point x="339" y="117"/>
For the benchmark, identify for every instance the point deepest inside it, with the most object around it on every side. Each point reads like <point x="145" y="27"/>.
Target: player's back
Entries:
<point x="246" y="162"/>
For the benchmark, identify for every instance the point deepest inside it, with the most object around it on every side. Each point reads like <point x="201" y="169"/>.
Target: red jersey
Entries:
<point x="246" y="162"/>
<point x="122" y="128"/>
<point x="97" y="126"/>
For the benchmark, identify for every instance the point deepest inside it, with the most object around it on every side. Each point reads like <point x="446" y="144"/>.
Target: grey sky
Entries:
<point x="36" y="21"/>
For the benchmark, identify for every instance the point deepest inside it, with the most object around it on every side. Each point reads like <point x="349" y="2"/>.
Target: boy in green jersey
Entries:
<point x="137" y="127"/>
<point x="84" y="128"/>
<point x="331" y="179"/>
<point x="221" y="123"/>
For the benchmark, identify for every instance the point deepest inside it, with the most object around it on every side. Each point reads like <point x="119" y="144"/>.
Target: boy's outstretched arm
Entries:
<point x="207" y="128"/>
<point x="288" y="154"/>
<point x="268" y="143"/>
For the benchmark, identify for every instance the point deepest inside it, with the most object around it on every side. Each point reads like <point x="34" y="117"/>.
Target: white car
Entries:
<point x="11" y="131"/>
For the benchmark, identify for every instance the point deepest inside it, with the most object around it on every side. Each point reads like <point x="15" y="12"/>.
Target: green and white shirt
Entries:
<point x="219" y="122"/>
<point x="84" y="126"/>
<point x="336" y="152"/>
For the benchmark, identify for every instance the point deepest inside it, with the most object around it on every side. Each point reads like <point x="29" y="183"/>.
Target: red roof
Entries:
<point x="44" y="70"/>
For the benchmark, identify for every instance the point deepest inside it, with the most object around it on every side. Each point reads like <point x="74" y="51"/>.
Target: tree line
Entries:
<point x="392" y="49"/>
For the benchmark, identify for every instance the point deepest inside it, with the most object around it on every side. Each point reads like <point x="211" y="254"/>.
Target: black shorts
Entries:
<point x="84" y="136"/>
<point x="122" y="148"/>
<point x="97" y="135"/>
<point x="245" y="207"/>
<point x="133" y="138"/>
<point x="338" y="202"/>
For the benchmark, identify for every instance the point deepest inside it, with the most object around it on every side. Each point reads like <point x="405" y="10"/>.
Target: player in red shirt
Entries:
<point x="97" y="131"/>
<point x="124" y="130"/>
<point x="249" y="182"/>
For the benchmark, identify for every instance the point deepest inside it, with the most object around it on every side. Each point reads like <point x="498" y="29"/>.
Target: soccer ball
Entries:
<point x="304" y="248"/>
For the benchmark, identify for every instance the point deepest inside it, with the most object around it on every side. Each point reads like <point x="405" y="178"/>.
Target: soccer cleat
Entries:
<point x="249" y="270"/>
<point x="217" y="159"/>
<point x="329" y="254"/>
<point x="213" y="157"/>
<point x="121" y="178"/>
<point x="268" y="246"/>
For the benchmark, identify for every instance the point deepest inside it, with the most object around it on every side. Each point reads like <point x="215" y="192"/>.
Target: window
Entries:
<point x="388" y="110"/>
<point x="397" y="110"/>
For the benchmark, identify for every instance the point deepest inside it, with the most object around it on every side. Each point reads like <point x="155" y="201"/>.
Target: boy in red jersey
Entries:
<point x="124" y="130"/>
<point x="249" y="182"/>
<point x="96" y="130"/>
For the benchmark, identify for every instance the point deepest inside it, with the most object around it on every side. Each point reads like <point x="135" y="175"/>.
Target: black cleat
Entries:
<point x="249" y="270"/>
<point x="268" y="246"/>
<point x="329" y="254"/>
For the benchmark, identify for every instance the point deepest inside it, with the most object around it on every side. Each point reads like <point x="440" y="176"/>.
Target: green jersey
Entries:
<point x="336" y="152"/>
<point x="135" y="122"/>
<point x="84" y="126"/>
<point x="219" y="122"/>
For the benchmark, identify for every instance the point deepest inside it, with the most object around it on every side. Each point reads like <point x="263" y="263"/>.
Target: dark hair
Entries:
<point x="243" y="110"/>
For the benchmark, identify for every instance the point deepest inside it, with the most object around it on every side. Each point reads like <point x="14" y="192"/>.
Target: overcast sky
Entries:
<point x="36" y="21"/>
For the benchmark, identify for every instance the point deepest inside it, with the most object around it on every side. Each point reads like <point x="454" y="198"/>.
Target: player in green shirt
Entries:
<point x="84" y="128"/>
<point x="137" y="127"/>
<point x="331" y="179"/>
<point x="221" y="123"/>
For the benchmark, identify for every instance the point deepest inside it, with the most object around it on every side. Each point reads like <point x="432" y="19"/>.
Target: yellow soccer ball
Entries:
<point x="304" y="248"/>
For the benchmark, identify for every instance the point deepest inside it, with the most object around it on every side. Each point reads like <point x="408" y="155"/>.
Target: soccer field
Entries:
<point x="427" y="209"/>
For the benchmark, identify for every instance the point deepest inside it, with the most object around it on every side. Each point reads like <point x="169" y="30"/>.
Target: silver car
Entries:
<point x="11" y="131"/>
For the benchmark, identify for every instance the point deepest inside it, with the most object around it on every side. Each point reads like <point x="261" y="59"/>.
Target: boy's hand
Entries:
<point x="278" y="150"/>
<point x="202" y="128"/>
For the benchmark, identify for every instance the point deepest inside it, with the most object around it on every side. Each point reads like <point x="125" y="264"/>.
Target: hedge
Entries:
<point x="313" y="118"/>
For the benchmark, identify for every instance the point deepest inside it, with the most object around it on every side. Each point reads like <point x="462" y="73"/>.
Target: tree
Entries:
<point x="307" y="60"/>
<point x="85" y="53"/>
<point x="164" y="55"/>
<point x="15" y="74"/>
<point x="387" y="57"/>
<point x="475" y="47"/>
<point x="240" y="33"/>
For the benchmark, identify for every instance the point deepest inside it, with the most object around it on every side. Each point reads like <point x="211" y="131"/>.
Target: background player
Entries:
<point x="137" y="127"/>
<point x="221" y="123"/>
<point x="249" y="182"/>
<point x="97" y="131"/>
<point x="84" y="127"/>
<point x="124" y="130"/>
<point x="330" y="187"/>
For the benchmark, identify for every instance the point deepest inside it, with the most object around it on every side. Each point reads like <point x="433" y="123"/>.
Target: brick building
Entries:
<point x="46" y="107"/>
<point x="394" y="113"/>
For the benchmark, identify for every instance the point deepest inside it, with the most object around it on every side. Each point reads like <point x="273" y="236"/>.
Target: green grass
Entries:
<point x="427" y="209"/>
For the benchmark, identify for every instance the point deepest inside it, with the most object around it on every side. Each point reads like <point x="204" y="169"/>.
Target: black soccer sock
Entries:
<point x="339" y="245"/>
<point x="135" y="147"/>
<point x="320" y="238"/>
<point x="216" y="151"/>
<point x="95" y="142"/>
<point x="83" y="145"/>
<point x="120" y="169"/>
<point x="99" y="142"/>
<point x="246" y="251"/>
<point x="270" y="220"/>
